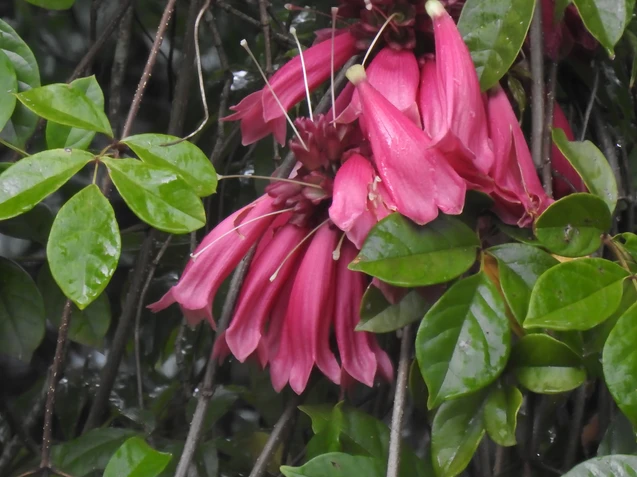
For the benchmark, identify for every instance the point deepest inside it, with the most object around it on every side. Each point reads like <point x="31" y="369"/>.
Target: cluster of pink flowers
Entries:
<point x="411" y="135"/>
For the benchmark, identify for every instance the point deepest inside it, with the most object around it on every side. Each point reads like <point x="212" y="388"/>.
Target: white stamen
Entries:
<point x="336" y="254"/>
<point x="368" y="5"/>
<point x="371" y="47"/>
<point x="244" y="44"/>
<point x="312" y="232"/>
<point x="269" y="178"/>
<point x="334" y="14"/>
<point x="194" y="256"/>
<point x="307" y="86"/>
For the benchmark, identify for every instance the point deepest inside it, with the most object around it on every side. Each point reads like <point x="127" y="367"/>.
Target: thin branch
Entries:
<point x="118" y="70"/>
<point x="395" y="438"/>
<point x="547" y="142"/>
<point x="122" y="334"/>
<point x="150" y="63"/>
<point x="589" y="106"/>
<point x="285" y="39"/>
<point x="537" y="90"/>
<point x="575" y="428"/>
<point x="138" y="319"/>
<point x="207" y="385"/>
<point x="276" y="436"/>
<point x="265" y="27"/>
<point x="610" y="150"/>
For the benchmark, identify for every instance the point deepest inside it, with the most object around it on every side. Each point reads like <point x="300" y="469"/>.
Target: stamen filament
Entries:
<point x="334" y="14"/>
<point x="382" y="28"/>
<point x="368" y="5"/>
<point x="269" y="178"/>
<point x="336" y="254"/>
<point x="194" y="256"/>
<point x="307" y="86"/>
<point x="244" y="44"/>
<point x="303" y="240"/>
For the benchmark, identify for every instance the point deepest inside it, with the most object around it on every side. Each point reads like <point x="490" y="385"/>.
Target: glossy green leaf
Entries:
<point x="464" y="340"/>
<point x="606" y="19"/>
<point x="66" y="105"/>
<point x="519" y="267"/>
<point x="8" y="88"/>
<point x="619" y="363"/>
<point x="22" y="320"/>
<point x="33" y="225"/>
<point x="135" y="458"/>
<point x="619" y="437"/>
<point x="84" y="246"/>
<point x="88" y="326"/>
<point x="337" y="464"/>
<point x="456" y="432"/>
<point x="607" y="466"/>
<point x="545" y="365"/>
<point x="494" y="31"/>
<point x="33" y="178"/>
<point x="501" y="414"/>
<point x="576" y="295"/>
<point x="591" y="165"/>
<point x="157" y="196"/>
<point x="404" y="254"/>
<point x="380" y="316"/>
<point x="184" y="158"/>
<point x="628" y="243"/>
<point x="22" y="123"/>
<point x="90" y="452"/>
<point x="61" y="136"/>
<point x="573" y="226"/>
<point x="53" y="4"/>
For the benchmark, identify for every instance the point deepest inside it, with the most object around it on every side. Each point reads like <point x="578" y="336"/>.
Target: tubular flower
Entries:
<point x="519" y="196"/>
<point x="566" y="180"/>
<point x="418" y="178"/>
<point x="260" y="113"/>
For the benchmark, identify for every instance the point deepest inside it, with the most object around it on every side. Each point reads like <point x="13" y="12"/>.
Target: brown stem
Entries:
<point x="118" y="70"/>
<point x="286" y="40"/>
<point x="265" y="27"/>
<point x="589" y="106"/>
<point x="537" y="87"/>
<point x="547" y="141"/>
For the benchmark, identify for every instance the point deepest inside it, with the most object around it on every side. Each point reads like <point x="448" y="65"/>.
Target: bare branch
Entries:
<point x="537" y="90"/>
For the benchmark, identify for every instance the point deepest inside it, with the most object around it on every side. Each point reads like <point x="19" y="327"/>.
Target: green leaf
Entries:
<point x="591" y="165"/>
<point x="519" y="267"/>
<point x="494" y="31"/>
<point x="456" y="432"/>
<point x="607" y="466"/>
<point x="135" y="458"/>
<point x="157" y="196"/>
<point x="33" y="225"/>
<point x="619" y="363"/>
<point x="337" y="464"/>
<point x="8" y="88"/>
<point x="404" y="254"/>
<point x="84" y="246"/>
<point x="184" y="158"/>
<point x="88" y="326"/>
<point x="576" y="295"/>
<point x="606" y="19"/>
<point x="22" y="123"/>
<point x="66" y="105"/>
<point x="573" y="226"/>
<point x="61" y="136"/>
<point x="53" y="4"/>
<point x="619" y="437"/>
<point x="22" y="319"/>
<point x="628" y="242"/>
<point x="33" y="178"/>
<point x="380" y="316"/>
<point x="464" y="340"/>
<point x="89" y="452"/>
<point x="501" y="414"/>
<point x="545" y="365"/>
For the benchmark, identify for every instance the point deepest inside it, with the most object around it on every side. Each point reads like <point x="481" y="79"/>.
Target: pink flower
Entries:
<point x="359" y="199"/>
<point x="462" y="107"/>
<point x="219" y="253"/>
<point x="567" y="179"/>
<point x="519" y="196"/>
<point x="259" y="112"/>
<point x="416" y="175"/>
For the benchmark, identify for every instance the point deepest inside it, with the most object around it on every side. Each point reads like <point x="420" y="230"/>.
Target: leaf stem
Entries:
<point x="13" y="148"/>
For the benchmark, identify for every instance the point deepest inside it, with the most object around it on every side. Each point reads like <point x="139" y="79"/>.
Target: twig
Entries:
<point x="537" y="89"/>
<point x="484" y="458"/>
<point x="276" y="436"/>
<point x="589" y="106"/>
<point x="265" y="27"/>
<point x="122" y="333"/>
<point x="138" y="318"/>
<point x="575" y="428"/>
<point x="150" y="63"/>
<point x="118" y="70"/>
<point x="547" y="141"/>
<point x="286" y="40"/>
<point x="58" y="360"/>
<point x="609" y="148"/>
<point x="500" y="455"/>
<point x="196" y="425"/>
<point x="395" y="439"/>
